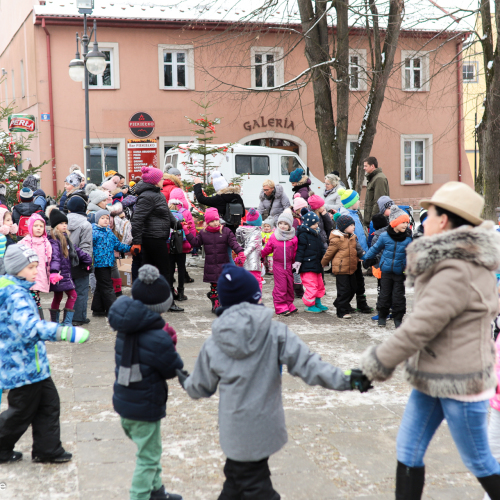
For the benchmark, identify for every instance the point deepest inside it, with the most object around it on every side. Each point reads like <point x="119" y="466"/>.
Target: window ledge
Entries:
<point x="175" y="88"/>
<point x="357" y="90"/>
<point x="415" y="183"/>
<point x="104" y="88"/>
<point x="415" y="90"/>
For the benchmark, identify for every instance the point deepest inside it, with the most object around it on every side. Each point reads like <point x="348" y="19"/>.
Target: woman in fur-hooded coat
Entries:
<point x="170" y="182"/>
<point x="446" y="341"/>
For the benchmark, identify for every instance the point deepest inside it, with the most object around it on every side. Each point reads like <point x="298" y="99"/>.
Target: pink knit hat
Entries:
<point x="211" y="214"/>
<point x="178" y="194"/>
<point x="111" y="184"/>
<point x="252" y="215"/>
<point x="315" y="201"/>
<point x="299" y="202"/>
<point x="31" y="221"/>
<point x="151" y="175"/>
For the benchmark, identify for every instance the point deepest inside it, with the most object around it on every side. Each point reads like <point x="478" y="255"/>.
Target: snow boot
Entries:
<point x="180" y="295"/>
<point x="299" y="290"/>
<point x="161" y="494"/>
<point x="320" y="306"/>
<point x="175" y="308"/>
<point x="382" y="321"/>
<point x="40" y="313"/>
<point x="54" y="315"/>
<point x="397" y="322"/>
<point x="410" y="482"/>
<point x="188" y="278"/>
<point x="491" y="484"/>
<point x="362" y="305"/>
<point x="214" y="298"/>
<point x="117" y="286"/>
<point x="68" y="317"/>
<point x="313" y="309"/>
<point x="14" y="456"/>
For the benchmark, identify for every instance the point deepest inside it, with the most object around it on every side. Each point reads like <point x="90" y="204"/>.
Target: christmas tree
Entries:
<point x="12" y="173"/>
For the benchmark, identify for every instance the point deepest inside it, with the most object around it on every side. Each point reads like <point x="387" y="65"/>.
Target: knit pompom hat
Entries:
<point x="111" y="184"/>
<point x="336" y="216"/>
<point x="254" y="218"/>
<point x="296" y="175"/>
<point x="73" y="179"/>
<point x="286" y="216"/>
<point x="309" y="219"/>
<point x="298" y="202"/>
<point x="211" y="214"/>
<point x="269" y="221"/>
<point x="95" y="194"/>
<point x="152" y="289"/>
<point x="218" y="181"/>
<point x="315" y="201"/>
<point x="344" y="221"/>
<point x="398" y="216"/>
<point x="178" y="194"/>
<point x="31" y="182"/>
<point x="151" y="175"/>
<point x="236" y="285"/>
<point x="26" y="194"/>
<point x="348" y="197"/>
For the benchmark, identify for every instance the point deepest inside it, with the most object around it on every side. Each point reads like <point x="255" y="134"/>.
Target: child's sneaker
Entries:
<point x="61" y="459"/>
<point x="320" y="306"/>
<point x="345" y="316"/>
<point x="263" y="282"/>
<point x="284" y="313"/>
<point x="161" y="494"/>
<point x="375" y="318"/>
<point x="313" y="309"/>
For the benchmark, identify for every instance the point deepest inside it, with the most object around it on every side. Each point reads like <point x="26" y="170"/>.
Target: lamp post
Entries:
<point x="93" y="62"/>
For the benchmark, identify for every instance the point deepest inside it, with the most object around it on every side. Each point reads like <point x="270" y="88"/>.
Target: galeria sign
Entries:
<point x="21" y="123"/>
<point x="271" y="122"/>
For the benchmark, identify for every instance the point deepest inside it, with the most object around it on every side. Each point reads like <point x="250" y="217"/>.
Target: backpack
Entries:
<point x="176" y="239"/>
<point x="22" y="227"/>
<point x="234" y="213"/>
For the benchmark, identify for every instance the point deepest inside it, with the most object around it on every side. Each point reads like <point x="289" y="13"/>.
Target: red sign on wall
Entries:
<point x="141" y="153"/>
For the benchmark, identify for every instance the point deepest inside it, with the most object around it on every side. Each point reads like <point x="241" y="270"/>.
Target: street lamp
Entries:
<point x="96" y="60"/>
<point x="77" y="66"/>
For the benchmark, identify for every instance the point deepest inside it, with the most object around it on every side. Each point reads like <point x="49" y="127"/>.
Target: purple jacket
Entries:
<point x="62" y="265"/>
<point x="216" y="255"/>
<point x="303" y="188"/>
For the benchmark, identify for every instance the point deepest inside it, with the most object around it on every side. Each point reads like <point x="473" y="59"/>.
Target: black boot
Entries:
<point x="299" y="290"/>
<point x="54" y="315"/>
<point x="409" y="482"/>
<point x="14" y="456"/>
<point x="362" y="305"/>
<point x="382" y="321"/>
<point x="491" y="484"/>
<point x="175" y="308"/>
<point x="187" y="278"/>
<point x="161" y="494"/>
<point x="397" y="322"/>
<point x="180" y="294"/>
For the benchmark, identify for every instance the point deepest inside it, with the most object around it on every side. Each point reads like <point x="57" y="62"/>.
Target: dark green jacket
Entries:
<point x="378" y="186"/>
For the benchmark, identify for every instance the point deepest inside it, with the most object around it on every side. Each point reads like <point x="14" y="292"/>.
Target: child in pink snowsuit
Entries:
<point x="283" y="245"/>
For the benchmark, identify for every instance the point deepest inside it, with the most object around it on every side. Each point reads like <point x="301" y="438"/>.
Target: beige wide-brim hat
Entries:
<point x="460" y="199"/>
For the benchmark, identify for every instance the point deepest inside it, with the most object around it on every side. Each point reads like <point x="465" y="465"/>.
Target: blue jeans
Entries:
<point x="468" y="424"/>
<point x="82" y="290"/>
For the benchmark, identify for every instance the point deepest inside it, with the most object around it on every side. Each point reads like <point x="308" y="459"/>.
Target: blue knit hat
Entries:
<point x="310" y="219"/>
<point x="76" y="204"/>
<point x="237" y="285"/>
<point x="26" y="194"/>
<point x="296" y="175"/>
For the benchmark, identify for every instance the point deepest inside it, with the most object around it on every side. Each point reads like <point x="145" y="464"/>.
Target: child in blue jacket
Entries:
<point x="104" y="244"/>
<point x="392" y="243"/>
<point x="24" y="367"/>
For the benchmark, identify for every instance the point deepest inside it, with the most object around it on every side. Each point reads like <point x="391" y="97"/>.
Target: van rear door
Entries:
<point x="256" y="169"/>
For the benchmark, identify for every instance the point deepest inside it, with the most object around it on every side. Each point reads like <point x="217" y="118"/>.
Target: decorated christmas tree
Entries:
<point x="12" y="168"/>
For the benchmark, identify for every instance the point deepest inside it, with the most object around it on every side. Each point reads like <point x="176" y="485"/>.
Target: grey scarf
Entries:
<point x="281" y="235"/>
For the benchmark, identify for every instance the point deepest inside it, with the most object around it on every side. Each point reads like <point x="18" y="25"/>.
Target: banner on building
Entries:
<point x="141" y="153"/>
<point x="21" y="123"/>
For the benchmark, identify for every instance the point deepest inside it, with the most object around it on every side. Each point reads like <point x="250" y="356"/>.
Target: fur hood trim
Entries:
<point x="89" y="188"/>
<point x="372" y="367"/>
<point x="303" y="181"/>
<point x="116" y="209"/>
<point x="172" y="178"/>
<point x="3" y="189"/>
<point x="479" y="245"/>
<point x="49" y="209"/>
<point x="230" y="190"/>
<point x="279" y="193"/>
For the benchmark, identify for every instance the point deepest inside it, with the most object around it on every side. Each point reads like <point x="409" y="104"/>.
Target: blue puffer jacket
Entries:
<point x="145" y="400"/>
<point x="310" y="250"/>
<point x="393" y="258"/>
<point x="23" y="358"/>
<point x="358" y="229"/>
<point x="104" y="243"/>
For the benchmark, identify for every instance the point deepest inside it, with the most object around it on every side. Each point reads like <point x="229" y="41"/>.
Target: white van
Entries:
<point x="256" y="164"/>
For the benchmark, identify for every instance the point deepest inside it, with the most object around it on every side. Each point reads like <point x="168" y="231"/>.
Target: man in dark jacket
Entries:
<point x="225" y="194"/>
<point x="151" y="223"/>
<point x="377" y="186"/>
<point x="145" y="357"/>
<point x="26" y="208"/>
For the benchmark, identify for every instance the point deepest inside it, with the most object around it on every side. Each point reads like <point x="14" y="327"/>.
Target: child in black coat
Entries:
<point x="145" y="357"/>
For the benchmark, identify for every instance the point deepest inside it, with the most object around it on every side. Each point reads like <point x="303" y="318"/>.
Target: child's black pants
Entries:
<point x="36" y="404"/>
<point x="104" y="294"/>
<point x="346" y="290"/>
<point x="248" y="481"/>
<point x="392" y="295"/>
<point x="180" y="260"/>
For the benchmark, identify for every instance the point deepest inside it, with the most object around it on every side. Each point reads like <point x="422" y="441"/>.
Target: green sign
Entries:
<point x="21" y="123"/>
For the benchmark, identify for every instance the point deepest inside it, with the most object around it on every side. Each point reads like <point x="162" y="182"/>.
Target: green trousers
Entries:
<point x="147" y="474"/>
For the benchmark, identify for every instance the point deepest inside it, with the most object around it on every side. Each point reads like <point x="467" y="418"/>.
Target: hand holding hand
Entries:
<point x="135" y="249"/>
<point x="182" y="375"/>
<point x="73" y="334"/>
<point x="55" y="278"/>
<point x="296" y="266"/>
<point x="359" y="380"/>
<point x="241" y="259"/>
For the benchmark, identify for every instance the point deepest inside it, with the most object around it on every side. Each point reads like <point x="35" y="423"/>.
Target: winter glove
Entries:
<point x="240" y="260"/>
<point x="171" y="332"/>
<point x="73" y="334"/>
<point x="135" y="250"/>
<point x="367" y="263"/>
<point x="296" y="266"/>
<point x="55" y="278"/>
<point x="358" y="380"/>
<point x="182" y="375"/>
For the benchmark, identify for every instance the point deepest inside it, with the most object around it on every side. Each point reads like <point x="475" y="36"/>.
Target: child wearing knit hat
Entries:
<point x="145" y="358"/>
<point x="249" y="236"/>
<point x="243" y="357"/>
<point x="392" y="245"/>
<point x="267" y="232"/>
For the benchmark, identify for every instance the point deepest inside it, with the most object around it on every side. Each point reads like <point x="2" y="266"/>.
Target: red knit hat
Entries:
<point x="211" y="214"/>
<point x="151" y="175"/>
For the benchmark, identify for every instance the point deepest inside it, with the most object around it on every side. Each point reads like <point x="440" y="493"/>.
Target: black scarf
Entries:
<point x="129" y="370"/>
<point x="396" y="236"/>
<point x="270" y="196"/>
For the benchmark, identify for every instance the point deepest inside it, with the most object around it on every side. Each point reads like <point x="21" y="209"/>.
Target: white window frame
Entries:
<point x="424" y="71"/>
<point x="122" y="156"/>
<point x="428" y="158"/>
<point x="362" y="75"/>
<point x="23" y="92"/>
<point x="475" y="65"/>
<point x="189" y="50"/>
<point x="279" y="66"/>
<point x="171" y="140"/>
<point x="115" y="68"/>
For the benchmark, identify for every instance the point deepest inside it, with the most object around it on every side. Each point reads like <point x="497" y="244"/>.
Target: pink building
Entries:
<point x="161" y="60"/>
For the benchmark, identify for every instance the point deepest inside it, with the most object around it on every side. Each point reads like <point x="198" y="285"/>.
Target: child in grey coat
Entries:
<point x="243" y="357"/>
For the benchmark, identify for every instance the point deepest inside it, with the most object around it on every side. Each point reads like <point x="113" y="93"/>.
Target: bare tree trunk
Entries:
<point x="489" y="128"/>
<point x="317" y="52"/>
<point x="382" y="68"/>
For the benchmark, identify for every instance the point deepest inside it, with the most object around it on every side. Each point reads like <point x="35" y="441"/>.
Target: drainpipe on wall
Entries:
<point x="459" y="108"/>
<point x="51" y="106"/>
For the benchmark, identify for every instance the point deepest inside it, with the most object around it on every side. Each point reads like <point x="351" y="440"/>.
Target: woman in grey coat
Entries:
<point x="332" y="198"/>
<point x="273" y="200"/>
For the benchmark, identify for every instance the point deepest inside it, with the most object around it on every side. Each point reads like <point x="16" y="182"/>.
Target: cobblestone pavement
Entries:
<point x="341" y="445"/>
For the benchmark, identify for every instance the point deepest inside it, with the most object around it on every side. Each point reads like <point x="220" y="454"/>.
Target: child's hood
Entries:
<point x="31" y="222"/>
<point x="242" y="329"/>
<point x="8" y="280"/>
<point x="75" y="221"/>
<point x="132" y="316"/>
